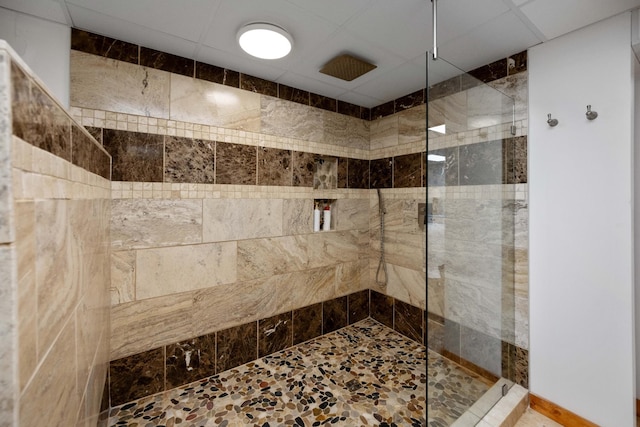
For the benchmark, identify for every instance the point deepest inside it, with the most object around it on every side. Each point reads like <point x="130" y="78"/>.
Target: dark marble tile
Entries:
<point x="235" y="164"/>
<point x="358" y="306"/>
<point x="135" y="156"/>
<point x="136" y="376"/>
<point x="409" y="101"/>
<point x="325" y="176"/>
<point x="107" y="47"/>
<point x="440" y="173"/>
<point x="218" y="75"/>
<point x="303" y="168"/>
<point x="190" y="360"/>
<point x="275" y="333"/>
<point x="383" y="110"/>
<point x="258" y="85"/>
<point x="358" y="173"/>
<point x="407" y="171"/>
<point x="323" y="102"/>
<point x="444" y="88"/>
<point x="236" y="346"/>
<point x="292" y="94"/>
<point x="508" y="361"/>
<point x="522" y="367"/>
<point x="381" y="171"/>
<point x="485" y="74"/>
<point x="95" y="132"/>
<point x="86" y="153"/>
<point x="517" y="63"/>
<point x="451" y="340"/>
<point x="105" y="403"/>
<point x="274" y="166"/>
<point x="349" y="109"/>
<point x="481" y="163"/>
<point x="189" y="160"/>
<point x="408" y="320"/>
<point x="22" y="109"/>
<point x="307" y="323"/>
<point x="334" y="314"/>
<point x="343" y="176"/>
<point x="166" y="62"/>
<point x="365" y="113"/>
<point x="381" y="308"/>
<point x="515" y="160"/>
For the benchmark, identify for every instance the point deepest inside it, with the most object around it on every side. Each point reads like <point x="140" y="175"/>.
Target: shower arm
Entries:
<point x="434" y="13"/>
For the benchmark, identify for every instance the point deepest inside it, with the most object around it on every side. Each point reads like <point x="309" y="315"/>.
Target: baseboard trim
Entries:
<point x="558" y="413"/>
<point x="637" y="407"/>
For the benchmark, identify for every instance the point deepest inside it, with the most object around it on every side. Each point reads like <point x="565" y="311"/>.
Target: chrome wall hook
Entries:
<point x="550" y="121"/>
<point x="591" y="115"/>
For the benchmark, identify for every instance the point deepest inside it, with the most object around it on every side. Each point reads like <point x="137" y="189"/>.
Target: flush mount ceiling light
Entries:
<point x="265" y="41"/>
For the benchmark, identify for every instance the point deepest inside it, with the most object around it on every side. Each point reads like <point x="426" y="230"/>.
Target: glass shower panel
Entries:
<point x="470" y="237"/>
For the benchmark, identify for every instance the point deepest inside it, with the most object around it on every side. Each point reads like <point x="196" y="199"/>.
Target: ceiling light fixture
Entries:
<point x="265" y="41"/>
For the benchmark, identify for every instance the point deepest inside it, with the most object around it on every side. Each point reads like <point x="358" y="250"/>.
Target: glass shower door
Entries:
<point x="470" y="237"/>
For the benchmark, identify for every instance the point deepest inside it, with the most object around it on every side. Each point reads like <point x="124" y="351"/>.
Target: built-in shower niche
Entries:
<point x="324" y="214"/>
<point x="326" y="173"/>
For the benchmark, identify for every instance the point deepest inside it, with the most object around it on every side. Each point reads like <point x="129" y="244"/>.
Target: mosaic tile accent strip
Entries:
<point x="349" y="377"/>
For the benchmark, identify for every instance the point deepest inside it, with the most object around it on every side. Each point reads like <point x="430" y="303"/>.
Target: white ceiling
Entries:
<point x="392" y="34"/>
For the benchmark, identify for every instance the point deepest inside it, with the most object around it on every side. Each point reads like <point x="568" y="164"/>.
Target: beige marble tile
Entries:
<point x="384" y="132"/>
<point x="407" y="285"/>
<point x="123" y="277"/>
<point x="411" y="124"/>
<point x="296" y="290"/>
<point x="403" y="249"/>
<point x="346" y="131"/>
<point x="149" y="223"/>
<point x="516" y="87"/>
<point x="522" y="322"/>
<point x="533" y="418"/>
<point x="90" y="410"/>
<point x="351" y="214"/>
<point x="165" y="271"/>
<point x="297" y="216"/>
<point x="236" y="219"/>
<point x="203" y="102"/>
<point x="259" y="258"/>
<point x="106" y="84"/>
<point x="51" y="398"/>
<point x="57" y="291"/>
<point x="277" y="119"/>
<point x="6" y="214"/>
<point x="435" y="296"/>
<point x="86" y="344"/>
<point x="332" y="248"/>
<point x="8" y="302"/>
<point x="352" y="277"/>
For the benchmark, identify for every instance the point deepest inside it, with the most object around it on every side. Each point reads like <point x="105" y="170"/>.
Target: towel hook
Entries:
<point x="591" y="115"/>
<point x="550" y="121"/>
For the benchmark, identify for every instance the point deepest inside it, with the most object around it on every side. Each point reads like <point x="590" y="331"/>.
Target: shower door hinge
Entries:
<point x="505" y="390"/>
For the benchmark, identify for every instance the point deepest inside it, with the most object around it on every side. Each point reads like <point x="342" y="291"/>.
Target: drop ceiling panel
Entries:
<point x="459" y="17"/>
<point x="361" y="100"/>
<point x="47" y="9"/>
<point x="554" y="18"/>
<point x="404" y="79"/>
<point x="185" y="19"/>
<point x="335" y="11"/>
<point x="310" y="84"/>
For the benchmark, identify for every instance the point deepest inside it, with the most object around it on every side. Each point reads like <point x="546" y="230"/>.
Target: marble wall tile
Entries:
<point x="123" y="277"/>
<point x="384" y="132"/>
<point x="107" y="47"/>
<point x="291" y="120"/>
<point x="237" y="219"/>
<point x="444" y="88"/>
<point x="522" y="367"/>
<point x="481" y="163"/>
<point x="236" y="164"/>
<point x="407" y="285"/>
<point x="189" y="160"/>
<point x="267" y="257"/>
<point x="216" y="74"/>
<point x="274" y="167"/>
<point x="107" y="84"/>
<point x="517" y="63"/>
<point x="345" y="131"/>
<point x="297" y="216"/>
<point x="435" y="296"/>
<point x="325" y="176"/>
<point x="159" y="273"/>
<point x="407" y="170"/>
<point x="135" y="156"/>
<point x="334" y="314"/>
<point x="166" y="62"/>
<point x="383" y="110"/>
<point x="515" y="160"/>
<point x="307" y="323"/>
<point x="88" y="155"/>
<point x="424" y="169"/>
<point x="200" y="101"/>
<point x="343" y="173"/>
<point x="493" y="71"/>
<point x="292" y="94"/>
<point x="482" y="350"/>
<point x="409" y="101"/>
<point x="57" y="292"/>
<point x="358" y="303"/>
<point x="53" y="386"/>
<point x="365" y="113"/>
<point x="236" y="346"/>
<point x="452" y="340"/>
<point x="303" y="169"/>
<point x="304" y="288"/>
<point x="358" y="173"/>
<point x="443" y="172"/>
<point x="352" y="214"/>
<point x="412" y="125"/>
<point x="275" y="333"/>
<point x="258" y="85"/>
<point x="352" y="276"/>
<point x="408" y="320"/>
<point x="381" y="308"/>
<point x="95" y="132"/>
<point x="136" y="376"/>
<point x="515" y="87"/>
<point x="349" y="109"/>
<point x="381" y="173"/>
<point x="7" y="86"/>
<point x="333" y="248"/>
<point x="322" y="102"/>
<point x="190" y="360"/>
<point x="508" y="361"/>
<point x="149" y="223"/>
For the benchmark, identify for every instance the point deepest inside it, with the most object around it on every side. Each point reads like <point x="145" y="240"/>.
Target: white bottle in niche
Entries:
<point x="316" y="218"/>
<point x="326" y="220"/>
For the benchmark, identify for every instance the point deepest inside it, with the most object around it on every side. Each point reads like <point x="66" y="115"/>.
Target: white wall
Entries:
<point x="581" y="223"/>
<point x="44" y="45"/>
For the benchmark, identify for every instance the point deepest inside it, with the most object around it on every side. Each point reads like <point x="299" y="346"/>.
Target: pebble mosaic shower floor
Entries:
<point x="363" y="375"/>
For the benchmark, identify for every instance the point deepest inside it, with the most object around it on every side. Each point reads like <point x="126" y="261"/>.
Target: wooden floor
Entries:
<point x="532" y="418"/>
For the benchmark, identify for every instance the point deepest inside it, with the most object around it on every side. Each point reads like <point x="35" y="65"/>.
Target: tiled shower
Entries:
<point x="186" y="226"/>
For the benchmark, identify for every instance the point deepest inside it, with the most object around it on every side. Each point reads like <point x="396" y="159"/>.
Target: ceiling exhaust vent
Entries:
<point x="346" y="67"/>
